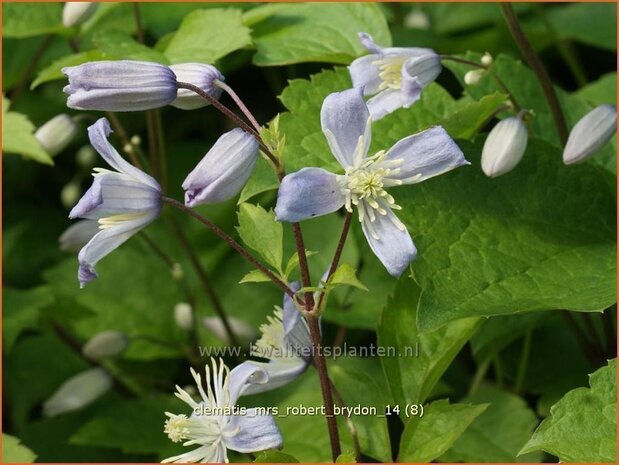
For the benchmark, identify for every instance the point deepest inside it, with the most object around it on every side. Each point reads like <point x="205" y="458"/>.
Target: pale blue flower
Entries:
<point x="590" y="134"/>
<point x="285" y="343"/>
<point x="200" y="75"/>
<point x="346" y="124"/>
<point x="216" y="424"/>
<point x="123" y="85"/>
<point x="395" y="76"/>
<point x="223" y="171"/>
<point x="122" y="201"/>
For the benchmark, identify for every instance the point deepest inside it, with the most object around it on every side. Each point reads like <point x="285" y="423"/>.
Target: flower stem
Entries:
<point x="232" y="116"/>
<point x="325" y="384"/>
<point x="138" y="22"/>
<point x="337" y="255"/>
<point x="303" y="266"/>
<point x="31" y="67"/>
<point x="524" y="361"/>
<point x="538" y="68"/>
<point x="205" y="280"/>
<point x="351" y="426"/>
<point x="239" y="103"/>
<point x="231" y="242"/>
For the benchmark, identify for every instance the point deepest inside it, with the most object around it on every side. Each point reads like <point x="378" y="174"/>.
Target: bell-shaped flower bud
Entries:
<point x="487" y="59"/>
<point x="122" y="85"/>
<point x="78" y="391"/>
<point x="241" y="330"/>
<point x="473" y="77"/>
<point x="183" y="315"/>
<point x="200" y="75"/>
<point x="504" y="147"/>
<point x="223" y="171"/>
<point x="75" y="13"/>
<point x="106" y="344"/>
<point x="590" y="134"/>
<point x="70" y="193"/>
<point x="56" y="134"/>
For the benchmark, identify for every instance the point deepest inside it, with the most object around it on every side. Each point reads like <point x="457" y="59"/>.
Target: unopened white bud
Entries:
<point x="177" y="272"/>
<point x="590" y="134"/>
<point x="136" y="140"/>
<point x="105" y="345"/>
<point x="128" y="148"/>
<point x="504" y="147"/>
<point x="78" y="391"/>
<point x="56" y="134"/>
<point x="417" y="19"/>
<point x="473" y="77"/>
<point x="486" y="60"/>
<point x="86" y="157"/>
<point x="183" y="315"/>
<point x="200" y="75"/>
<point x="243" y="331"/>
<point x="70" y="194"/>
<point x="75" y="13"/>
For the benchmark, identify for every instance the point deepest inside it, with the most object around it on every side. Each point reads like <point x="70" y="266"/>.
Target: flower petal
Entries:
<point x="296" y="332"/>
<point x="426" y="154"/>
<point x="223" y="171"/>
<point x="279" y="372"/>
<point x="419" y="71"/>
<point x="346" y="125"/>
<point x="243" y="376"/>
<point x="77" y="235"/>
<point x="98" y="134"/>
<point x="255" y="432"/>
<point x="106" y="241"/>
<point x="390" y="242"/>
<point x="365" y="73"/>
<point x="307" y="193"/>
<point x="389" y="100"/>
<point x="368" y="42"/>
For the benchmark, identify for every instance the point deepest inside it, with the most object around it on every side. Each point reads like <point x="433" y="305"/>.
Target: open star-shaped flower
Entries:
<point x="215" y="424"/>
<point x="346" y="124"/>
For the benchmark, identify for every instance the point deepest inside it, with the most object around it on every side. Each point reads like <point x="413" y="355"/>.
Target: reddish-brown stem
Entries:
<point x="239" y="103"/>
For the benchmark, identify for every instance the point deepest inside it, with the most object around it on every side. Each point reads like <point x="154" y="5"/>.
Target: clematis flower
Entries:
<point x="56" y="134"/>
<point x="590" y="134"/>
<point x="504" y="147"/>
<point x="216" y="423"/>
<point x="105" y="344"/>
<point x="77" y="235"/>
<point x="223" y="171"/>
<point x="346" y="124"/>
<point x="395" y="76"/>
<point x="123" y="85"/>
<point x="200" y="75"/>
<point x="285" y="343"/>
<point x="123" y="201"/>
<point x="75" y="13"/>
<point x="78" y="392"/>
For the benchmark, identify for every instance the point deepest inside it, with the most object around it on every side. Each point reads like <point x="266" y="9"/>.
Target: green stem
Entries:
<point x="538" y="68"/>
<point x="479" y="376"/>
<point x="524" y="361"/>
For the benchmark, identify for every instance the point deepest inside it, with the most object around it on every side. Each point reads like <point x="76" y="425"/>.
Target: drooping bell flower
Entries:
<point x="123" y="85"/>
<point x="123" y="202"/>
<point x="394" y="76"/>
<point x="200" y="75"/>
<point x="590" y="134"/>
<point x="504" y="147"/>
<point x="216" y="424"/>
<point x="346" y="124"/>
<point x="223" y="171"/>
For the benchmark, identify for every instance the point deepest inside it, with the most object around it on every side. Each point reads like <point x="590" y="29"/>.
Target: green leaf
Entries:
<point x="15" y="452"/>
<point x="346" y="458"/>
<point x="346" y="275"/>
<point x="299" y="33"/>
<point x="604" y="90"/>
<point x="371" y="429"/>
<point x="53" y="71"/>
<point x="262" y="179"/>
<point x="469" y="120"/>
<point x="18" y="136"/>
<point x="498" y="433"/>
<point x="21" y="312"/>
<point x="293" y="262"/>
<point x="260" y="231"/>
<point x="123" y="46"/>
<point x="31" y="19"/>
<point x="427" y="437"/>
<point x="141" y="428"/>
<point x="594" y="24"/>
<point x="274" y="456"/>
<point x="255" y="276"/>
<point x="205" y="36"/>
<point x="420" y="359"/>
<point x="583" y="424"/>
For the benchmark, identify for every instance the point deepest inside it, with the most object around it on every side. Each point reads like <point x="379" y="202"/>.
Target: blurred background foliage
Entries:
<point x="518" y="364"/>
